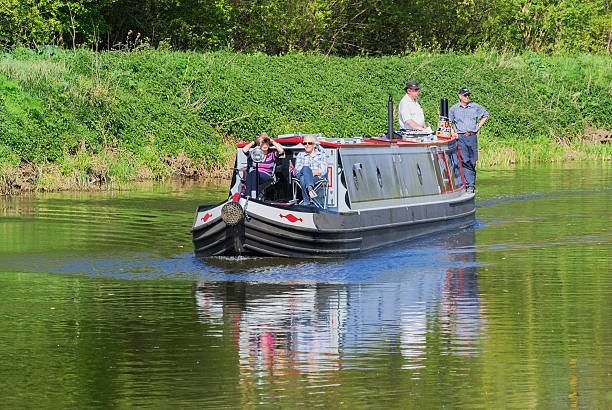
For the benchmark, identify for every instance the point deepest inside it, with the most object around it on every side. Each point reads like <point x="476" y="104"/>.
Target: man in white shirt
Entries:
<point x="410" y="114"/>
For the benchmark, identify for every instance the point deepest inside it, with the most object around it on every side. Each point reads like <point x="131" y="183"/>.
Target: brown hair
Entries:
<point x="261" y="137"/>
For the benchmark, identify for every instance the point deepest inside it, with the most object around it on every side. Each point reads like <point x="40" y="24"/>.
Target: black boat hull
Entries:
<point x="304" y="232"/>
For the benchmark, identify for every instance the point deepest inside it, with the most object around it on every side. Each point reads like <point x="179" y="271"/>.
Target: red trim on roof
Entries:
<point x="242" y="144"/>
<point x="377" y="141"/>
<point x="291" y="139"/>
<point x="297" y="140"/>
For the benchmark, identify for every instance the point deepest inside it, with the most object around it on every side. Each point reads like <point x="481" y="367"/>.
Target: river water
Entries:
<point x="103" y="304"/>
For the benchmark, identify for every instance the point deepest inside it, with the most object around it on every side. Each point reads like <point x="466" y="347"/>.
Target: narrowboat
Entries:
<point x="377" y="191"/>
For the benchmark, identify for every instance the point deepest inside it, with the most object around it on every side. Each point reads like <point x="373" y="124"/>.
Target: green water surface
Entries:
<point x="102" y="304"/>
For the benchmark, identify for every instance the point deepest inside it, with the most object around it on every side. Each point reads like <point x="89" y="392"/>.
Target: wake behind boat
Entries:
<point x="376" y="192"/>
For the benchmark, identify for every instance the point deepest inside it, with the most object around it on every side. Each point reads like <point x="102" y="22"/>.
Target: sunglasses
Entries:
<point x="309" y="143"/>
<point x="265" y="141"/>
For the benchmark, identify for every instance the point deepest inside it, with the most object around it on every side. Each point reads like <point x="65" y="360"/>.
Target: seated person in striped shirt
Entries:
<point x="266" y="166"/>
<point x="310" y="167"/>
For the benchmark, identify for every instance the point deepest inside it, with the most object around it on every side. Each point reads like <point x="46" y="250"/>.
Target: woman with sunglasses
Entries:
<point x="310" y="167"/>
<point x="265" y="167"/>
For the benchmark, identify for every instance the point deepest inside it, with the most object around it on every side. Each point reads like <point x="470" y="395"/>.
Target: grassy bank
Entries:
<point x="80" y="119"/>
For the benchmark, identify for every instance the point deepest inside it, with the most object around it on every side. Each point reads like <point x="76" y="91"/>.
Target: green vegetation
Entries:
<point x="141" y="110"/>
<point x="340" y="27"/>
<point x="103" y="117"/>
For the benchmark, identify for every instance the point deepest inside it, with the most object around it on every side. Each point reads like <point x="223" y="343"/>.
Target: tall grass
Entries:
<point x="496" y="153"/>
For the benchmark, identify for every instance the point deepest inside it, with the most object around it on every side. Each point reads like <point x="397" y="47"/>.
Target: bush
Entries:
<point x="8" y="157"/>
<point x="151" y="104"/>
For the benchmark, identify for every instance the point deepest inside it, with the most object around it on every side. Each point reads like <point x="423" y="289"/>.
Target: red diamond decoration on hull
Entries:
<point x="205" y="217"/>
<point x="291" y="218"/>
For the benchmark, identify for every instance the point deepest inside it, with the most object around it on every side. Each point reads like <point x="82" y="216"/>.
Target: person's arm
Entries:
<point x="299" y="162"/>
<point x="416" y="126"/>
<point x="485" y="116"/>
<point x="481" y="123"/>
<point x="451" y="120"/>
<point x="248" y="146"/>
<point x="278" y="147"/>
<point x="321" y="167"/>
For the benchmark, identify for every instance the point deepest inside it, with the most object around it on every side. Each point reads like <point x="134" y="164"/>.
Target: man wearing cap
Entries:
<point x="466" y="118"/>
<point x="410" y="114"/>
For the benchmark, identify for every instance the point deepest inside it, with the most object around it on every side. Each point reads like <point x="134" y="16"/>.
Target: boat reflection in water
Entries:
<point x="409" y="318"/>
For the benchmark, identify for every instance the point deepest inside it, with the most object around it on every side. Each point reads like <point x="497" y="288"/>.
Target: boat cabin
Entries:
<point x="361" y="173"/>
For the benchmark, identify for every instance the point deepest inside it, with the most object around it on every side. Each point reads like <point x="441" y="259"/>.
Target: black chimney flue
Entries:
<point x="444" y="108"/>
<point x="390" y="117"/>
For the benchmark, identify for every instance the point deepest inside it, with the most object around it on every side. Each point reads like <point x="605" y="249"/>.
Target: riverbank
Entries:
<point x="85" y="120"/>
<point x="108" y="171"/>
<point x="30" y="177"/>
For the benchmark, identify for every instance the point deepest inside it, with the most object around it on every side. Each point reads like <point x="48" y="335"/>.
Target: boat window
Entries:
<point x="454" y="168"/>
<point x="419" y="174"/>
<point x="445" y="180"/>
<point x="379" y="176"/>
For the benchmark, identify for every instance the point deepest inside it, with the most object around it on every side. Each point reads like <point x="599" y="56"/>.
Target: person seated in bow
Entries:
<point x="310" y="167"/>
<point x="265" y="167"/>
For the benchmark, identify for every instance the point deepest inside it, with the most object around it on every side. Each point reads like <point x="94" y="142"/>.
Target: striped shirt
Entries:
<point x="466" y="118"/>
<point x="268" y="163"/>
<point x="316" y="162"/>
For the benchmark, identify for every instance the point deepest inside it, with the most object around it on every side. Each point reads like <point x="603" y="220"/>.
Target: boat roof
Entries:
<point x="414" y="139"/>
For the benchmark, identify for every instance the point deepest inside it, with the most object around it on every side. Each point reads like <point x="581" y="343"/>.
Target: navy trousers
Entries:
<point x="468" y="148"/>
<point x="307" y="180"/>
<point x="251" y="181"/>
